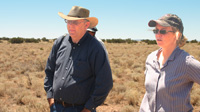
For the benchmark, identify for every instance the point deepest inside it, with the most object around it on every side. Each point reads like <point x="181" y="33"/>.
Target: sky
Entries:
<point x="117" y="18"/>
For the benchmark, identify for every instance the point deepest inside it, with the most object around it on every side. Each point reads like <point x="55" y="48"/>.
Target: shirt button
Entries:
<point x="60" y="89"/>
<point x="60" y="99"/>
<point x="63" y="78"/>
<point x="66" y="68"/>
<point x="73" y="47"/>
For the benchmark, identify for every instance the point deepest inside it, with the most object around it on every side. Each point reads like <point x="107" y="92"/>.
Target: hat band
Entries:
<point x="76" y="16"/>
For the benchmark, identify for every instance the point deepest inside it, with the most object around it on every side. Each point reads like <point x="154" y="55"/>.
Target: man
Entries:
<point x="78" y="74"/>
<point x="92" y="32"/>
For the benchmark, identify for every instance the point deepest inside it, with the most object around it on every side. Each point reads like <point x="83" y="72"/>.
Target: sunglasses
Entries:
<point x="155" y="31"/>
<point x="74" y="22"/>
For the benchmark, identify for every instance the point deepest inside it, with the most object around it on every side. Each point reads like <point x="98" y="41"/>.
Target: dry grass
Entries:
<point x="22" y="75"/>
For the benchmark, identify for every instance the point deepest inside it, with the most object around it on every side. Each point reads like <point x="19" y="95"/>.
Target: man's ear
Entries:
<point x="87" y="25"/>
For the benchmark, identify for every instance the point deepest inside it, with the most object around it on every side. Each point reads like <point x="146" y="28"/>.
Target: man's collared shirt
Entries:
<point x="78" y="73"/>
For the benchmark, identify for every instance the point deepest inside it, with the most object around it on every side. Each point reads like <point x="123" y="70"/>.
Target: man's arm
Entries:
<point x="103" y="82"/>
<point x="50" y="101"/>
<point x="49" y="70"/>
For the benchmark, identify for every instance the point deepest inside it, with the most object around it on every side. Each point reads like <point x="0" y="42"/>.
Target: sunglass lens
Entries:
<point x="162" y="31"/>
<point x="155" y="31"/>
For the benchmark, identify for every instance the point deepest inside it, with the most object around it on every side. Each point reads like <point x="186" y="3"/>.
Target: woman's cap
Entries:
<point x="168" y="20"/>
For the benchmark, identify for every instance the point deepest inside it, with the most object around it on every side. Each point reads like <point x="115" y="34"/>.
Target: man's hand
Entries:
<point x="51" y="101"/>
<point x="85" y="110"/>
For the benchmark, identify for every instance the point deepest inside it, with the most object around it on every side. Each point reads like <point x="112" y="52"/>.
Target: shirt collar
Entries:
<point x="81" y="41"/>
<point x="174" y="53"/>
<point x="172" y="56"/>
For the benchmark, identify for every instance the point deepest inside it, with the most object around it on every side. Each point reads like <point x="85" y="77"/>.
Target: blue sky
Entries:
<point x="117" y="18"/>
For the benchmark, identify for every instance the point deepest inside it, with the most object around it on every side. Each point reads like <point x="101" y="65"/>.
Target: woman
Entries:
<point x="170" y="72"/>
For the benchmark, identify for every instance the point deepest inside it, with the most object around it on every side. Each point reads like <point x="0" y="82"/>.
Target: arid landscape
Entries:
<point x="22" y="76"/>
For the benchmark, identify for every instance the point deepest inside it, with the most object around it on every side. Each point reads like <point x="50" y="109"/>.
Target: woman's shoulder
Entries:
<point x="152" y="56"/>
<point x="187" y="58"/>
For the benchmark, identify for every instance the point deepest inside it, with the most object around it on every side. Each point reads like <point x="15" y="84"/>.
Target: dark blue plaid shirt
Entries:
<point x="78" y="73"/>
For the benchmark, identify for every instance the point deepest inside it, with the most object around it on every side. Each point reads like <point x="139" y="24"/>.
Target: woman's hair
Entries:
<point x="181" y="40"/>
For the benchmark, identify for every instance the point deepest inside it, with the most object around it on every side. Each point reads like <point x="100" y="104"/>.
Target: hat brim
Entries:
<point x="91" y="30"/>
<point x="93" y="20"/>
<point x="152" y="23"/>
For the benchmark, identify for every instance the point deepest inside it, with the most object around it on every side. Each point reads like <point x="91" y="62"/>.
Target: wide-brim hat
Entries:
<point x="77" y="13"/>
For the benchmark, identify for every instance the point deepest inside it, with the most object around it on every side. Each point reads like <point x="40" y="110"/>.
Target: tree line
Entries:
<point x="19" y="40"/>
<point x="44" y="39"/>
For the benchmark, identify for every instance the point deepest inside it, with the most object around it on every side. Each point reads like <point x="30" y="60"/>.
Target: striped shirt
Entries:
<point x="168" y="88"/>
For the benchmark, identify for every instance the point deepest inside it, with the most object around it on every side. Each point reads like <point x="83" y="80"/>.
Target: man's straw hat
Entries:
<point x="77" y="13"/>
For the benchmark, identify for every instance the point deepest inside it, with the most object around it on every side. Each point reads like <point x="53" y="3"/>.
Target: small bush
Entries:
<point x="31" y="40"/>
<point x="4" y="38"/>
<point x="129" y="41"/>
<point x="17" y="40"/>
<point x="133" y="97"/>
<point x="44" y="39"/>
<point x="194" y="41"/>
<point x="149" y="42"/>
<point x="128" y="108"/>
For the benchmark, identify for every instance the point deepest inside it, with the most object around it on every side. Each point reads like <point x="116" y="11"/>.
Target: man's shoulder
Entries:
<point x="59" y="39"/>
<point x="96" y="42"/>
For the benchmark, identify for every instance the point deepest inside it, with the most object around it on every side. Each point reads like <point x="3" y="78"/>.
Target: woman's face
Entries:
<point x="166" y="40"/>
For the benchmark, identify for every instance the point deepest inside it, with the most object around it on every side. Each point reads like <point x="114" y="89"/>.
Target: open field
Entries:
<point x="22" y="75"/>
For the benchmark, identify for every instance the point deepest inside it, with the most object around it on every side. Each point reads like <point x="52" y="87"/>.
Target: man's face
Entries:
<point x="77" y="28"/>
<point x="91" y="33"/>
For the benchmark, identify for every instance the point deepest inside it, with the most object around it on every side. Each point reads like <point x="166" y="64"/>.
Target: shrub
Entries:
<point x="149" y="41"/>
<point x="4" y="38"/>
<point x="194" y="41"/>
<point x="44" y="39"/>
<point x="16" y="40"/>
<point x="31" y="40"/>
<point x="120" y="41"/>
<point x="103" y="40"/>
<point x="128" y="108"/>
<point x="129" y="41"/>
<point x="133" y="97"/>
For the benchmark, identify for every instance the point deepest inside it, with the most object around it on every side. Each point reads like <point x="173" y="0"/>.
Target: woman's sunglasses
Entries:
<point x="155" y="31"/>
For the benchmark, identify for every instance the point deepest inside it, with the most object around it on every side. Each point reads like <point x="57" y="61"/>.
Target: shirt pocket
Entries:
<point x="81" y="69"/>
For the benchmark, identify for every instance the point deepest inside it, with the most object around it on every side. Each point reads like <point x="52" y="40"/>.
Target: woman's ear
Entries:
<point x="178" y="35"/>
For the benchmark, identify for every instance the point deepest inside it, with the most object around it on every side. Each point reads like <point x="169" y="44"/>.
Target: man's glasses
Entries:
<point x="73" y="22"/>
<point x="155" y="31"/>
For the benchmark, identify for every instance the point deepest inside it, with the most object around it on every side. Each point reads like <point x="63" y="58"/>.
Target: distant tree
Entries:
<point x="194" y="41"/>
<point x="31" y="40"/>
<point x="104" y="40"/>
<point x="149" y="41"/>
<point x="4" y="38"/>
<point x="17" y="40"/>
<point x="129" y="41"/>
<point x="44" y="39"/>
